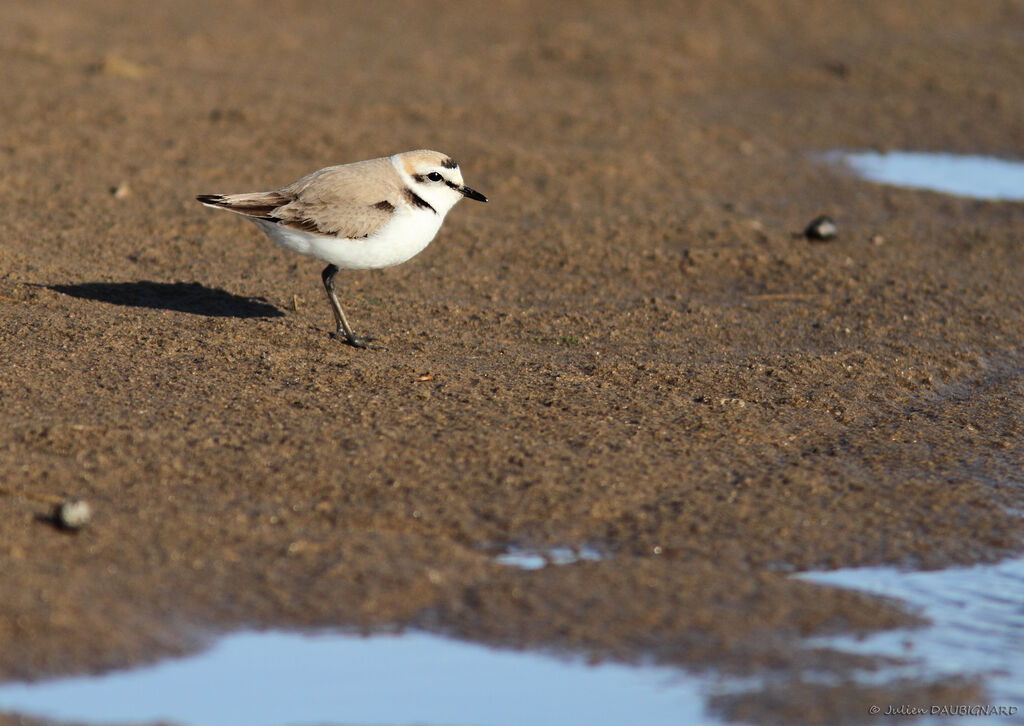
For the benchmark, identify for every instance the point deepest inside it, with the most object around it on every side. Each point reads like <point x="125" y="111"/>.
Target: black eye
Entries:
<point x="434" y="176"/>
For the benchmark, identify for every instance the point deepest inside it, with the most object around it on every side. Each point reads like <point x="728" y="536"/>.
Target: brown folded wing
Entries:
<point x="350" y="201"/>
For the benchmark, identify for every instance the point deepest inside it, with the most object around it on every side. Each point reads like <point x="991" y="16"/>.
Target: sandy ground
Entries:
<point x="630" y="348"/>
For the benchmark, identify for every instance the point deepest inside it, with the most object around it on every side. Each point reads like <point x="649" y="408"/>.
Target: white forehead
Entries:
<point x="425" y="161"/>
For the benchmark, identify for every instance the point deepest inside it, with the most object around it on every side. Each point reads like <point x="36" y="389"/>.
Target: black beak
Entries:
<point x="472" y="194"/>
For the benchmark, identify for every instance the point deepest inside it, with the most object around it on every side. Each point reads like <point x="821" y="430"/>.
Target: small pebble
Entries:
<point x="72" y="513"/>
<point x="821" y="228"/>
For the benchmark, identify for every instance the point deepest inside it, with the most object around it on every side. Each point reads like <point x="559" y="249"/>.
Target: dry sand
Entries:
<point x="629" y="348"/>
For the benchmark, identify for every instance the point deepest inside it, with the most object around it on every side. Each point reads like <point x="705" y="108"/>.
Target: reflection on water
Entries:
<point x="978" y="624"/>
<point x="279" y="679"/>
<point x="529" y="559"/>
<point x="977" y="177"/>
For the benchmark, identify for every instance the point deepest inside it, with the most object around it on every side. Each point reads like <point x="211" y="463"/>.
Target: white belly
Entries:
<point x="406" y="235"/>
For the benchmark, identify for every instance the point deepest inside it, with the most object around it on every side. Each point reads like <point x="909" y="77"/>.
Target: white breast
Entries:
<point x="406" y="235"/>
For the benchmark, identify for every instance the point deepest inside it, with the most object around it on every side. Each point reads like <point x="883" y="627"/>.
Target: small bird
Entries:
<point x="361" y="216"/>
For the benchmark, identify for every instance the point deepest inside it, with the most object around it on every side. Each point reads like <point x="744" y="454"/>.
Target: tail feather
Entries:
<point x="254" y="204"/>
<point x="212" y="200"/>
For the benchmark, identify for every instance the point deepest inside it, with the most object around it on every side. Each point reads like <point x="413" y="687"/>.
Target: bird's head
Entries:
<point x="435" y="178"/>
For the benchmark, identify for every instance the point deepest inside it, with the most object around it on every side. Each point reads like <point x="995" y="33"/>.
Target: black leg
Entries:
<point x="343" y="327"/>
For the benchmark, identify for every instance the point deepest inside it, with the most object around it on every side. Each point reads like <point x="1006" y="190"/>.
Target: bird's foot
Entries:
<point x="362" y="343"/>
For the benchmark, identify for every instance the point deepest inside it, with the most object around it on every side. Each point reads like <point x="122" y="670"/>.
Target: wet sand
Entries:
<point x="630" y="348"/>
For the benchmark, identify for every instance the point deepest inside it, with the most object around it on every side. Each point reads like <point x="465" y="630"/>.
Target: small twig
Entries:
<point x="32" y="496"/>
<point x="784" y="296"/>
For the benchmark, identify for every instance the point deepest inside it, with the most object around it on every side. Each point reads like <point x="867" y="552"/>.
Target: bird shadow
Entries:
<point x="182" y="297"/>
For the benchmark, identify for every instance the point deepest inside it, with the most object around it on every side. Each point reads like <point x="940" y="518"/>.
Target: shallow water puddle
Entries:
<point x="977" y="177"/>
<point x="978" y="625"/>
<point x="279" y="678"/>
<point x="291" y="679"/>
<point x="529" y="559"/>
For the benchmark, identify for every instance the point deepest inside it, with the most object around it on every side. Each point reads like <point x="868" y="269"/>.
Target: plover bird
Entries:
<point x="360" y="216"/>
